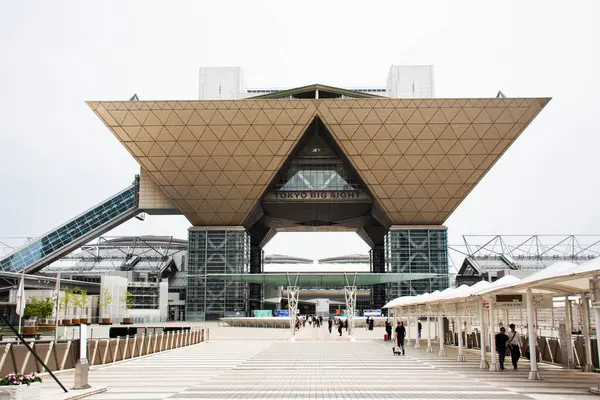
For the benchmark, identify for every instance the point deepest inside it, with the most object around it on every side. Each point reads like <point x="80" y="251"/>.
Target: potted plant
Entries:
<point x="127" y="301"/>
<point x="105" y="302"/>
<point x="80" y="300"/>
<point x="45" y="307"/>
<point x="29" y="317"/>
<point x="20" y="387"/>
<point x="65" y="301"/>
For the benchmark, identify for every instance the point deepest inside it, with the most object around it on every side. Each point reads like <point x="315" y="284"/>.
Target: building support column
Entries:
<point x="587" y="333"/>
<point x="442" y="352"/>
<point x="483" y="364"/>
<point x="408" y="340"/>
<point x="533" y="373"/>
<point x="429" y="348"/>
<point x="461" y="356"/>
<point x="493" y="364"/>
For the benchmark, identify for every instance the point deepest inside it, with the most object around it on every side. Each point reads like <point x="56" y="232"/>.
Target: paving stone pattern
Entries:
<point x="237" y="363"/>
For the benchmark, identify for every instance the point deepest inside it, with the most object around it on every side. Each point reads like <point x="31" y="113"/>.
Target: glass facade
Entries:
<point x="317" y="167"/>
<point x="70" y="232"/>
<point x="416" y="251"/>
<point x="317" y="177"/>
<point x="217" y="252"/>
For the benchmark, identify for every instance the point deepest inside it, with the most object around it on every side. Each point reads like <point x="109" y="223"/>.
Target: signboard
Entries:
<point x="372" y="313"/>
<point x="486" y="304"/>
<point x="512" y="301"/>
<point x="283" y="313"/>
<point x="508" y="301"/>
<point x="317" y="195"/>
<point x="262" y="314"/>
<point x="542" y="300"/>
<point x="322" y="306"/>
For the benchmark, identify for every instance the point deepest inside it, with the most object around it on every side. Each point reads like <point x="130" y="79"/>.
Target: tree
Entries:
<point x="38" y="308"/>
<point x="30" y="308"/>
<point x="80" y="298"/>
<point x="127" y="301"/>
<point x="46" y="307"/>
<point x="66" y="300"/>
<point x="105" y="301"/>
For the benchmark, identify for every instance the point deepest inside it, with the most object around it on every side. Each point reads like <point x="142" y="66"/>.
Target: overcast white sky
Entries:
<point x="57" y="159"/>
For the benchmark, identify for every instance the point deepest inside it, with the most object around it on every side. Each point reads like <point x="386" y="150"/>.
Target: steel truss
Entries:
<point x="350" y="296"/>
<point x="292" y="296"/>
<point x="574" y="248"/>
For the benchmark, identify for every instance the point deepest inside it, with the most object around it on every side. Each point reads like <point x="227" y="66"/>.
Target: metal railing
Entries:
<point x="63" y="354"/>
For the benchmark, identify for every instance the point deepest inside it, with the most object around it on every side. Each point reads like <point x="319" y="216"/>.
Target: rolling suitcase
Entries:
<point x="385" y="337"/>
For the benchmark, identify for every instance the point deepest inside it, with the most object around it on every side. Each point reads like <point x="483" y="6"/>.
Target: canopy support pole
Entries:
<point x="533" y="373"/>
<point x="442" y="352"/>
<point x="461" y="356"/>
<point x="408" y="342"/>
<point x="429" y="348"/>
<point x="587" y="334"/>
<point x="493" y="364"/>
<point x="569" y="329"/>
<point x="350" y="294"/>
<point x="417" y="339"/>
<point x="483" y="364"/>
<point x="292" y="295"/>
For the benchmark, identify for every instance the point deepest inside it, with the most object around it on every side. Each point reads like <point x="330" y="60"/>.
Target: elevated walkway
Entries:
<point x="83" y="228"/>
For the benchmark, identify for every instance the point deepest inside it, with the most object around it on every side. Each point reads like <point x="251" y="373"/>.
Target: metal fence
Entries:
<point x="63" y="354"/>
<point x="548" y="348"/>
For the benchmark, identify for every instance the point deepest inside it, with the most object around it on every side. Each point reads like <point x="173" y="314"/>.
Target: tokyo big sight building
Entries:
<point x="389" y="163"/>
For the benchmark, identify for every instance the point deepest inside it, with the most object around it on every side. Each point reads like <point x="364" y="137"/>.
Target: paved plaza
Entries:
<point x="258" y="363"/>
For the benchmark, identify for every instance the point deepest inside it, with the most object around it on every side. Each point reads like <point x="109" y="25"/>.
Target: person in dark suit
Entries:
<point x="388" y="329"/>
<point x="501" y="340"/>
<point x="400" y="333"/>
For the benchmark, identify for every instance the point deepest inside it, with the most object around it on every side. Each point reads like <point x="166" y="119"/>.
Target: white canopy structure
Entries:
<point x="561" y="279"/>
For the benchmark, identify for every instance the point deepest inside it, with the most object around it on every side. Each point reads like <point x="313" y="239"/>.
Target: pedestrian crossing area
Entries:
<point x="254" y="368"/>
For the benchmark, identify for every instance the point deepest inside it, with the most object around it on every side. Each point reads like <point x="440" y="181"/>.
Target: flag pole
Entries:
<point x="57" y="306"/>
<point x="20" y="301"/>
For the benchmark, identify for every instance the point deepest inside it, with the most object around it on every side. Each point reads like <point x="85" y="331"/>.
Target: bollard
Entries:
<point x="82" y="367"/>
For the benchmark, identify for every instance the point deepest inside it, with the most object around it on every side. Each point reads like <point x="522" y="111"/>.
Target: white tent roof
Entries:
<point x="561" y="278"/>
<point x="453" y="294"/>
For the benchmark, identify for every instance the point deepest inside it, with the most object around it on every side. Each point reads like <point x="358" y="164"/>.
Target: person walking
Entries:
<point x="400" y="332"/>
<point x="501" y="343"/>
<point x="367" y="323"/>
<point x="388" y="330"/>
<point x="320" y="320"/>
<point x="419" y="328"/>
<point x="346" y="324"/>
<point x="329" y="324"/>
<point x="340" y="326"/>
<point x="514" y="345"/>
